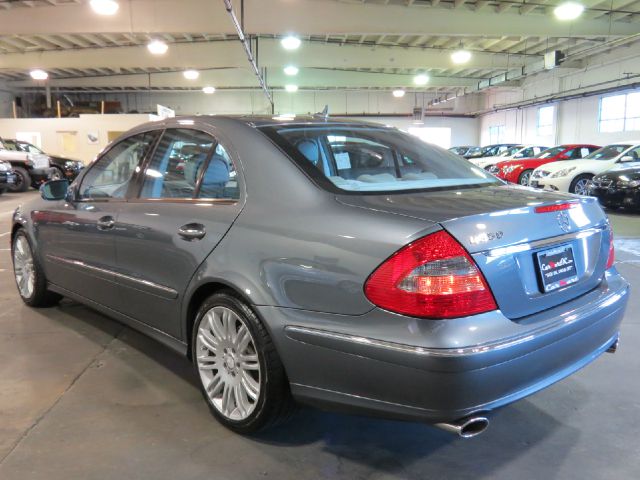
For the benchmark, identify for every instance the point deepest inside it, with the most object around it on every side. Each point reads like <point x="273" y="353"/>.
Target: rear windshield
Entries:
<point x="371" y="159"/>
<point x="607" y="153"/>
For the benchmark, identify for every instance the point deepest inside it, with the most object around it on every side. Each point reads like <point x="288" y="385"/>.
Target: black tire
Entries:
<point x="2" y="190"/>
<point x="57" y="173"/>
<point x="23" y="180"/>
<point x="578" y="182"/>
<point x="526" y="175"/>
<point x="274" y="403"/>
<point x="41" y="296"/>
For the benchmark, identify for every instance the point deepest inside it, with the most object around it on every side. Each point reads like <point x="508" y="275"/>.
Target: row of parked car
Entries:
<point x="611" y="173"/>
<point x="23" y="165"/>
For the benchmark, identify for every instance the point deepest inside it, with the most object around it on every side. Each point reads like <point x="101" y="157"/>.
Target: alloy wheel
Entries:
<point x="228" y="364"/>
<point x="524" y="179"/>
<point x="582" y="187"/>
<point x="23" y="267"/>
<point x="56" y="174"/>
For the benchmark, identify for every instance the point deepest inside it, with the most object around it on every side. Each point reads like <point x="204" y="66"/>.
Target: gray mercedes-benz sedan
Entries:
<point x="337" y="263"/>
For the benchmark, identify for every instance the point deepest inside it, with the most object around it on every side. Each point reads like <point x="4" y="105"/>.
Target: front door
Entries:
<point x="189" y="197"/>
<point x="76" y="237"/>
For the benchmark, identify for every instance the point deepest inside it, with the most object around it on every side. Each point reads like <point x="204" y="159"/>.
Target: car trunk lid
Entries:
<point x="501" y="229"/>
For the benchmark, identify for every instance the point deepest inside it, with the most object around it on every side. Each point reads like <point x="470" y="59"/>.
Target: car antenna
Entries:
<point x="324" y="113"/>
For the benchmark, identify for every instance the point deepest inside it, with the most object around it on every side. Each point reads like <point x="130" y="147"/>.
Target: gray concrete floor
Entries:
<point x="82" y="397"/>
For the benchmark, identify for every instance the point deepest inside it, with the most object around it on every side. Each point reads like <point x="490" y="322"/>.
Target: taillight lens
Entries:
<point x="612" y="254"/>
<point x="434" y="277"/>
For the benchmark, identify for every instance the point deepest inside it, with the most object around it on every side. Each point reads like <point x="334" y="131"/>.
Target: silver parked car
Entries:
<point x="336" y="263"/>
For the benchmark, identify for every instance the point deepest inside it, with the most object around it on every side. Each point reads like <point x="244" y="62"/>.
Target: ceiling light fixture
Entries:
<point x="209" y="90"/>
<point x="568" y="11"/>
<point x="291" y="70"/>
<point x="398" y="93"/>
<point x="290" y="42"/>
<point x="38" y="74"/>
<point x="421" y="79"/>
<point x="191" y="74"/>
<point x="105" y="7"/>
<point x="461" y="56"/>
<point x="157" y="47"/>
<point x="291" y="88"/>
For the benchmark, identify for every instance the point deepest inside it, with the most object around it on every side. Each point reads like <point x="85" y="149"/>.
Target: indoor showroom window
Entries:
<point x="545" y="120"/>
<point x="496" y="134"/>
<point x="620" y="113"/>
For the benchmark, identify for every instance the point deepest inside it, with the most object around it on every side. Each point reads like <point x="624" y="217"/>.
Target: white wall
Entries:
<point x="576" y="119"/>
<point x="69" y="136"/>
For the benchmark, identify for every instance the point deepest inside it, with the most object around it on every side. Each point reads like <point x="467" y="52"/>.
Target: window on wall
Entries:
<point x="496" y="134"/>
<point x="619" y="113"/>
<point x="545" y="120"/>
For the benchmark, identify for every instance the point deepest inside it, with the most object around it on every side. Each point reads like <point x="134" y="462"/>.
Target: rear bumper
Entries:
<point x="359" y="364"/>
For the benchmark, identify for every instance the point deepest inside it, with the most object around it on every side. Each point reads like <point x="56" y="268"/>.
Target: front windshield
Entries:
<point x="607" y="153"/>
<point x="551" y="152"/>
<point x="371" y="159"/>
<point x="475" y="151"/>
<point x="510" y="152"/>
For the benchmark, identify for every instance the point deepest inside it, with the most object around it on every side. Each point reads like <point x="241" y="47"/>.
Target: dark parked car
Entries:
<point x="336" y="263"/>
<point x="618" y="187"/>
<point x="7" y="176"/>
<point x="62" y="167"/>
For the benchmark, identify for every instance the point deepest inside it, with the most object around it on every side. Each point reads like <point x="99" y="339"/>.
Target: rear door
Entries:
<point x="76" y="238"/>
<point x="189" y="196"/>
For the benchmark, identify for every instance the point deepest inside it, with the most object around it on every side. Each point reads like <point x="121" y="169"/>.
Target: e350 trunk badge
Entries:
<point x="564" y="221"/>
<point x="485" y="237"/>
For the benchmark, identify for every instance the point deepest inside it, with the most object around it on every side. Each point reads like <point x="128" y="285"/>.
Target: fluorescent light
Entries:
<point x="461" y="56"/>
<point x="209" y="90"/>
<point x="157" y="47"/>
<point x="421" y="79"/>
<point x="568" y="10"/>
<point x="291" y="88"/>
<point x="398" y="93"/>
<point x="38" y="74"/>
<point x="191" y="74"/>
<point x="104" y="7"/>
<point x="291" y="70"/>
<point x="290" y="42"/>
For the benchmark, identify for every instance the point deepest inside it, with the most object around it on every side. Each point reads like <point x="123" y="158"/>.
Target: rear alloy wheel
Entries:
<point x="524" y="178"/>
<point x="580" y="184"/>
<point x="240" y="372"/>
<point x="23" y="180"/>
<point x="30" y="279"/>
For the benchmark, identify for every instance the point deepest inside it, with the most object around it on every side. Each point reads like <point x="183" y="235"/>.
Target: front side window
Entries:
<point x="110" y="175"/>
<point x="371" y="159"/>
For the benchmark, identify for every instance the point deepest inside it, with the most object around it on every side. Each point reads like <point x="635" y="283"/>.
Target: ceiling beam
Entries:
<point x="303" y="16"/>
<point x="230" y="54"/>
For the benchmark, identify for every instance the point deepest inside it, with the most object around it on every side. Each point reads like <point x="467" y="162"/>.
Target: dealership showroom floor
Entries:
<point x="300" y="149"/>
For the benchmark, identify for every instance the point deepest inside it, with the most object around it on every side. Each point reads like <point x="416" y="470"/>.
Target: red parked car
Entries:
<point x="519" y="171"/>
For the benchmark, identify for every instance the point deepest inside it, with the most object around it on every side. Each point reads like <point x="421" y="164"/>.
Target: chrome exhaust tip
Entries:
<point x="613" y="347"/>
<point x="467" y="427"/>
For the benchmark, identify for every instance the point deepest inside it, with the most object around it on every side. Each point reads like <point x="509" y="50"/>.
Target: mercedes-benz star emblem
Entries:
<point x="564" y="221"/>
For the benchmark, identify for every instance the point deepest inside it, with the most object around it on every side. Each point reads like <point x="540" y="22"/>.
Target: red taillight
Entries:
<point x="433" y="277"/>
<point x="612" y="254"/>
<point x="557" y="207"/>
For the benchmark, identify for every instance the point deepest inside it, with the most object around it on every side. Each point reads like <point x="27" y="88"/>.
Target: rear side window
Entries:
<point x="219" y="180"/>
<point x="372" y="159"/>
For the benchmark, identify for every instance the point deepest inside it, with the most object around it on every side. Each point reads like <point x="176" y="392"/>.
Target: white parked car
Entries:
<point x="512" y="153"/>
<point x="574" y="176"/>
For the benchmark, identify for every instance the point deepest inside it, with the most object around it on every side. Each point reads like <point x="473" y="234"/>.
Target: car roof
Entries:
<point x="268" y="120"/>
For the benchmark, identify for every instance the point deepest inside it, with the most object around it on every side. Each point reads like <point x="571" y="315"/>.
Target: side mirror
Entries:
<point x="627" y="158"/>
<point x="54" y="189"/>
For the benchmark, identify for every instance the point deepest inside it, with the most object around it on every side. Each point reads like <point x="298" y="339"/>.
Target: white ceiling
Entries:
<point x="351" y="44"/>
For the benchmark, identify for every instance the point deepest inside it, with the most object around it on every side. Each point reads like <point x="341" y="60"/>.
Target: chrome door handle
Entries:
<point x="192" y="231"/>
<point x="106" y="223"/>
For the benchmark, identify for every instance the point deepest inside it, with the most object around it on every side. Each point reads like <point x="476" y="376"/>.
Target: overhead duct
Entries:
<point x="247" y="48"/>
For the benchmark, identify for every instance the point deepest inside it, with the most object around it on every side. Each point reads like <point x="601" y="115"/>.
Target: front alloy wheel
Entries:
<point x="228" y="363"/>
<point x="23" y="267"/>
<point x="580" y="186"/>
<point x="524" y="178"/>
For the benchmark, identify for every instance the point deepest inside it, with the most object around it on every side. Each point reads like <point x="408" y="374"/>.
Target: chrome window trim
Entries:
<point x="166" y="292"/>
<point x="527" y="246"/>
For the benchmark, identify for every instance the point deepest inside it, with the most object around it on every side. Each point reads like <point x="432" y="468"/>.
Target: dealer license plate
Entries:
<point x="557" y="268"/>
